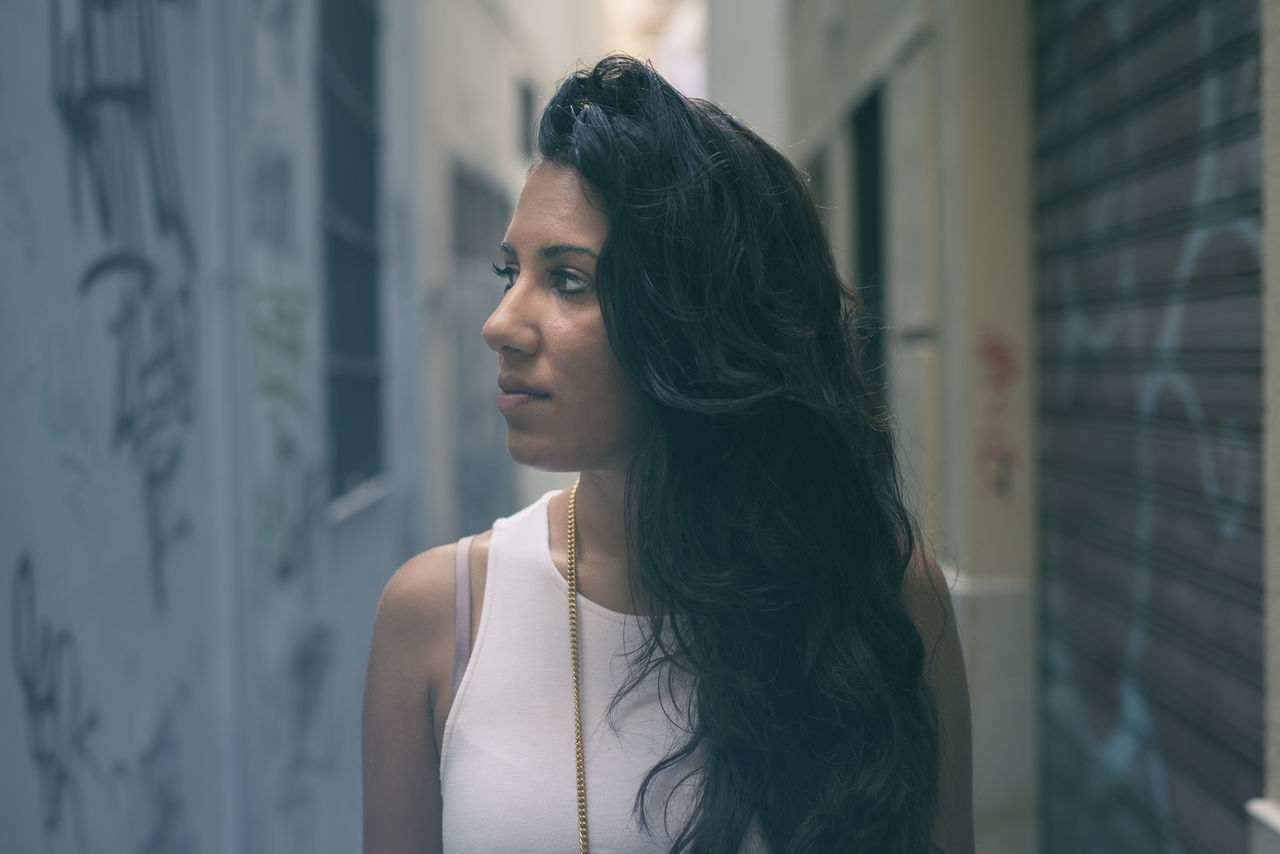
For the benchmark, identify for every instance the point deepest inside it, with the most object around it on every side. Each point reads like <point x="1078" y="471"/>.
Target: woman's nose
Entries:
<point x="512" y="327"/>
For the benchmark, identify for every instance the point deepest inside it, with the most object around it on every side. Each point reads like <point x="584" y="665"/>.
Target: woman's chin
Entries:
<point x="545" y="451"/>
<point x="536" y="455"/>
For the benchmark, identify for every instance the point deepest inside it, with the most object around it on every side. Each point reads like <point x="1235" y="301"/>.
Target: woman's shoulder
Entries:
<point x="422" y="592"/>
<point x="927" y="594"/>
<point x="419" y="603"/>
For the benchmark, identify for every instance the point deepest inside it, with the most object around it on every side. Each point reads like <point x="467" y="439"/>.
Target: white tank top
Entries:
<point x="507" y="774"/>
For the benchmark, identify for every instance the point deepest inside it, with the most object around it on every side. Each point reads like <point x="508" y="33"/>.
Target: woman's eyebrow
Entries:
<point x="565" y="249"/>
<point x="553" y="251"/>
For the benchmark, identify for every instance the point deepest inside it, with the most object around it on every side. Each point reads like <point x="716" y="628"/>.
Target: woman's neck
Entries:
<point x="603" y="575"/>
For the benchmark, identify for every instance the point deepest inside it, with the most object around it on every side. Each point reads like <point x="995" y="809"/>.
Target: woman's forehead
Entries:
<point x="554" y="208"/>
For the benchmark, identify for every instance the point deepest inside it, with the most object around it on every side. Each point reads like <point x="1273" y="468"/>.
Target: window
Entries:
<point x="349" y="188"/>
<point x="818" y="178"/>
<point x="869" y="237"/>
<point x="528" y="119"/>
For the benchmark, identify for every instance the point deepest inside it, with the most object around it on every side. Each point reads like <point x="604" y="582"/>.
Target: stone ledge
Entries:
<point x="996" y="619"/>
<point x="1264" y="826"/>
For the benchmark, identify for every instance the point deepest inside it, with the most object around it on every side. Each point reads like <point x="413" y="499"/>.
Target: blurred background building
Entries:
<point x="244" y="253"/>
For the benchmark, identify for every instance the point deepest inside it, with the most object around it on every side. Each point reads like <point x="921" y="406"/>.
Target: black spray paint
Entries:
<point x="159" y="773"/>
<point x="307" y="754"/>
<point x="60" y="722"/>
<point x="109" y="89"/>
<point x="60" y="726"/>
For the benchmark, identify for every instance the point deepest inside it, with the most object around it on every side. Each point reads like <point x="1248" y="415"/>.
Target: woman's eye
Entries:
<point x="506" y="273"/>
<point x="567" y="283"/>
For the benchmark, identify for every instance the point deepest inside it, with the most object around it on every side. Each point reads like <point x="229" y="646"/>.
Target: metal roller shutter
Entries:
<point x="1148" y="192"/>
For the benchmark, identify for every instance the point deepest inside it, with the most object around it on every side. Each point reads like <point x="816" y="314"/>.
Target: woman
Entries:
<point x="732" y="596"/>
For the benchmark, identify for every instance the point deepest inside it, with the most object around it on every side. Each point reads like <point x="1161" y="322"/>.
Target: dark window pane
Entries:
<point x="869" y="237"/>
<point x="528" y="117"/>
<point x="355" y="407"/>
<point x="352" y="315"/>
<point x="480" y="214"/>
<point x="350" y="157"/>
<point x="349" y="175"/>
<point x="347" y="37"/>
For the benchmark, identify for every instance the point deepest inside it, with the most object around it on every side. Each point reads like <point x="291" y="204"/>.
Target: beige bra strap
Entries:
<point x="461" y="610"/>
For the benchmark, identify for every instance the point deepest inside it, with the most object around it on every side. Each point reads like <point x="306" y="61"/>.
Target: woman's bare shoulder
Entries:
<point x="423" y="588"/>
<point x="928" y="596"/>
<point x="419" y="590"/>
<point x="421" y="594"/>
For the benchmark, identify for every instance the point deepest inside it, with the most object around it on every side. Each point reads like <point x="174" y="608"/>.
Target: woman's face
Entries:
<point x="568" y="404"/>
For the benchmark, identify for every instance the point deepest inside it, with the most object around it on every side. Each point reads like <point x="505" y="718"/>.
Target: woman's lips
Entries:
<point x="510" y="401"/>
<point x="514" y="394"/>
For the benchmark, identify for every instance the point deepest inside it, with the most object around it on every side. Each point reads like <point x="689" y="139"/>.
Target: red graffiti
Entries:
<point x="995" y="460"/>
<point x="997" y="356"/>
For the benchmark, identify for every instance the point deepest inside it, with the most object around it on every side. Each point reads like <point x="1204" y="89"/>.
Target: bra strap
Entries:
<point x="461" y="610"/>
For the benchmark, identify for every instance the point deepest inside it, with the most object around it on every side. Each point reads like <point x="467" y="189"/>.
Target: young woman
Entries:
<point x="725" y="637"/>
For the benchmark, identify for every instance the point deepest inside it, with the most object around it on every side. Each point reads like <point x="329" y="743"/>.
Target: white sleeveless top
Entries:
<point x="507" y="774"/>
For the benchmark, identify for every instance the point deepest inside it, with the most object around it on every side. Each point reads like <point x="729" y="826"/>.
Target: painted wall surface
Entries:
<point x="114" y="616"/>
<point x="184" y="617"/>
<point x="754" y="89"/>
<point x="478" y="60"/>
<point x="1148" y="173"/>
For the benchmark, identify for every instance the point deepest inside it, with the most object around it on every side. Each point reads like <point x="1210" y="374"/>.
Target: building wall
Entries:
<point x="954" y="296"/>
<point x="477" y="60"/>
<point x="1148" y="201"/>
<point x="115" y="622"/>
<point x="186" y="608"/>
<point x="746" y="64"/>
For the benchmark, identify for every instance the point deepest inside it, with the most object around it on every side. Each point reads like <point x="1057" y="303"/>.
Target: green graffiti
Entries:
<point x="280" y="346"/>
<point x="287" y="505"/>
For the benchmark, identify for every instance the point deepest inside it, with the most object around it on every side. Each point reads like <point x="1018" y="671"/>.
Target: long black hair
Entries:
<point x="765" y="517"/>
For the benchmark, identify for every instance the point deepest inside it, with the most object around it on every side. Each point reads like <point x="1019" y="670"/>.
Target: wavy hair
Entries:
<point x="765" y="516"/>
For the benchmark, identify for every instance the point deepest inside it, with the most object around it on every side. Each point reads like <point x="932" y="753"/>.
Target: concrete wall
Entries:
<point x="747" y="70"/>
<point x="185" y="614"/>
<point x="988" y="502"/>
<point x="118" y="595"/>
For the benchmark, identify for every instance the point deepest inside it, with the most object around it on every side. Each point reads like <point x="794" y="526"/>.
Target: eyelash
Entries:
<point x="563" y="289"/>
<point x="505" y="273"/>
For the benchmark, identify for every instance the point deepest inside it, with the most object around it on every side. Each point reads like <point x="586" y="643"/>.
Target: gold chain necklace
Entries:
<point x="571" y="576"/>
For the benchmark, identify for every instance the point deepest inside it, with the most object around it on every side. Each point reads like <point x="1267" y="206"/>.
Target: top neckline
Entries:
<point x="542" y="509"/>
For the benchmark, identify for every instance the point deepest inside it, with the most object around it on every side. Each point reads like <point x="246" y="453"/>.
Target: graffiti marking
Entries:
<point x="109" y="90"/>
<point x="59" y="722"/>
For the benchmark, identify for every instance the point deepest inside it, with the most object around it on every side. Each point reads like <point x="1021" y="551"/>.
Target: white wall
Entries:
<point x="185" y="618"/>
<point x="747" y="69"/>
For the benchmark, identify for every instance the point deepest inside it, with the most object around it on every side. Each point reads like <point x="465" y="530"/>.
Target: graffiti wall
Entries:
<point x="184" y="614"/>
<point x="1149" y="319"/>
<point x="113" y="653"/>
